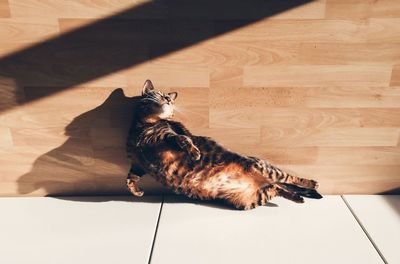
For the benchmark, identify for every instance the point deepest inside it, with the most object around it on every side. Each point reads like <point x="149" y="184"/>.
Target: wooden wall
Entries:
<point x="315" y="89"/>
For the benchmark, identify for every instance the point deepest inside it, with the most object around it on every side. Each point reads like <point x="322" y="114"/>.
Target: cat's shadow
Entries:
<point x="168" y="198"/>
<point x="92" y="160"/>
<point x="91" y="165"/>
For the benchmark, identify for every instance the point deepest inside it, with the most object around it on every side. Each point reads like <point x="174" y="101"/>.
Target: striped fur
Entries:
<point x="198" y="166"/>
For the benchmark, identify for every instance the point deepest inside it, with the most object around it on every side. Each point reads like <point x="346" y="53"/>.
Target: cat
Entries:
<point x="199" y="167"/>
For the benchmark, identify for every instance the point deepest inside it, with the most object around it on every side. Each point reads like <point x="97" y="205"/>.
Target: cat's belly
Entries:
<point x="231" y="179"/>
<point x="215" y="182"/>
<point x="206" y="178"/>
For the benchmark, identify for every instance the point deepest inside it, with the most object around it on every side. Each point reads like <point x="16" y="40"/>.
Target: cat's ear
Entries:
<point x="147" y="87"/>
<point x="173" y="95"/>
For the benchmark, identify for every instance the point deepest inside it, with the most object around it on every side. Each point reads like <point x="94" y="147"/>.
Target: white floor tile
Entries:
<point x="380" y="216"/>
<point x="319" y="231"/>
<point x="82" y="230"/>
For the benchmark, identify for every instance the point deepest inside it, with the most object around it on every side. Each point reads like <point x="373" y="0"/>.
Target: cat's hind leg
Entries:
<point x="263" y="195"/>
<point x="269" y="191"/>
<point x="134" y="176"/>
<point x="300" y="182"/>
<point x="293" y="184"/>
<point x="277" y="175"/>
<point x="309" y="193"/>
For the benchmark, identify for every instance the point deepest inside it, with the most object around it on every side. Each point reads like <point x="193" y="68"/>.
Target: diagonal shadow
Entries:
<point x="123" y="40"/>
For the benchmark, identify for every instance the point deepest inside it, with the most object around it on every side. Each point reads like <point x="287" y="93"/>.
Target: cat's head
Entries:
<point x="157" y="103"/>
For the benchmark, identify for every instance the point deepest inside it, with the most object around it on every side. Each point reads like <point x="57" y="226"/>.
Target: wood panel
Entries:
<point x="373" y="30"/>
<point x="354" y="9"/>
<point x="237" y="54"/>
<point x="312" y="97"/>
<point x="317" y="75"/>
<point x="73" y="9"/>
<point x="20" y="30"/>
<point x="304" y="118"/>
<point x="315" y="89"/>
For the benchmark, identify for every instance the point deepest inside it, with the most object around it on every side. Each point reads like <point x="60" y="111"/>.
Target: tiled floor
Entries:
<point x="349" y="229"/>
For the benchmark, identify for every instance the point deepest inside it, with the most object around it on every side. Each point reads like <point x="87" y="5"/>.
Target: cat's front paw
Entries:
<point x="131" y="184"/>
<point x="194" y="153"/>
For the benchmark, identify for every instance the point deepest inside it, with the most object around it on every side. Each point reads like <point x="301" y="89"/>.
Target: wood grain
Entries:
<point x="348" y="53"/>
<point x="4" y="8"/>
<point x="6" y="138"/>
<point x="237" y="54"/>
<point x="314" y="89"/>
<point x="341" y="137"/>
<point x="395" y="80"/>
<point x="314" y="97"/>
<point x="20" y="30"/>
<point x="317" y="75"/>
<point x="74" y="9"/>
<point x="354" y="9"/>
<point x="304" y="118"/>
<point x="294" y="155"/>
<point x="374" y="30"/>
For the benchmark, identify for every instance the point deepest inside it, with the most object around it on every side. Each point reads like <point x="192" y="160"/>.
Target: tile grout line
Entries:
<point x="364" y="229"/>
<point x="155" y="231"/>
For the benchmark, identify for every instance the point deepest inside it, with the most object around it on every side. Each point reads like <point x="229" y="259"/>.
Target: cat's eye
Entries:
<point x="167" y="98"/>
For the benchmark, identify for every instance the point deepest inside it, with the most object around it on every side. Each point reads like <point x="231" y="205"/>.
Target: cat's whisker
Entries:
<point x="177" y="109"/>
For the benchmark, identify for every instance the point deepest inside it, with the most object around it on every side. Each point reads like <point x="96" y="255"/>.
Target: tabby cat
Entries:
<point x="199" y="167"/>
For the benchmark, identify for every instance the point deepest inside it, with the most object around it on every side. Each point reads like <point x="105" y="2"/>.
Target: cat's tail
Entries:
<point x="304" y="192"/>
